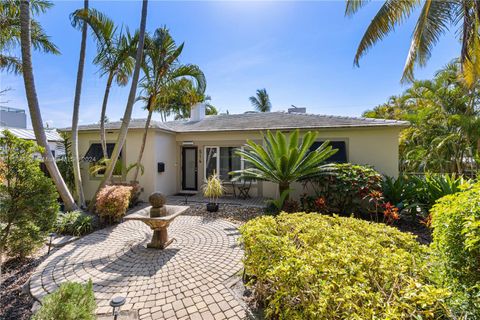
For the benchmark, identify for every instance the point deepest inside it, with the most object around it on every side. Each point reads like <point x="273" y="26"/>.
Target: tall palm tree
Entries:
<point x="261" y="102"/>
<point x="33" y="106"/>
<point x="435" y="19"/>
<point x="10" y="33"/>
<point x="161" y="68"/>
<point x="284" y="160"/>
<point x="115" y="57"/>
<point x="185" y="95"/>
<point x="76" y="109"/>
<point x="122" y="135"/>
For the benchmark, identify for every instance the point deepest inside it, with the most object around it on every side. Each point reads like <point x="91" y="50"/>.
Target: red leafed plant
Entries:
<point x="112" y="202"/>
<point x="390" y="213"/>
<point x="320" y="204"/>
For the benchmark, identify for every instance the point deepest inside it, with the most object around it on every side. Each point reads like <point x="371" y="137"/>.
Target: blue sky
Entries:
<point x="301" y="52"/>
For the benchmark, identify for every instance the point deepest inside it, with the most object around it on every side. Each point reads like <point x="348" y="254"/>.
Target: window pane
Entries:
<point x="339" y="157"/>
<point x="210" y="161"/>
<point x="229" y="161"/>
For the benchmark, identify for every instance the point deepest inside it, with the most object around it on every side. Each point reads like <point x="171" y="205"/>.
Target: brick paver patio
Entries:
<point x="188" y="280"/>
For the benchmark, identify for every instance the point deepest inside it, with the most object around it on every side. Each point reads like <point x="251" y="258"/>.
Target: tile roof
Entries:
<point x="256" y="121"/>
<point x="28" y="134"/>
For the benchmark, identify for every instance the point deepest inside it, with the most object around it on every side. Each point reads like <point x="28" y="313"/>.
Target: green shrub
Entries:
<point x="72" y="301"/>
<point x="112" y="202"/>
<point x="74" y="223"/>
<point x="456" y="244"/>
<point x="28" y="199"/>
<point x="345" y="186"/>
<point x="310" y="266"/>
<point x="415" y="195"/>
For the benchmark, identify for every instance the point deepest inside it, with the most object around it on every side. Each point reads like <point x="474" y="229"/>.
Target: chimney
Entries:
<point x="295" y="109"/>
<point x="197" y="112"/>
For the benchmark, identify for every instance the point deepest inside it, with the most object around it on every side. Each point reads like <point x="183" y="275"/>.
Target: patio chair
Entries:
<point x="244" y="189"/>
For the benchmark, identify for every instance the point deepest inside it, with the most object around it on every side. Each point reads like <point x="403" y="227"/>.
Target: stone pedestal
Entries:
<point x="160" y="239"/>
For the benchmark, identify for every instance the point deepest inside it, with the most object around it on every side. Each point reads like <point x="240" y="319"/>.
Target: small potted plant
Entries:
<point x="213" y="189"/>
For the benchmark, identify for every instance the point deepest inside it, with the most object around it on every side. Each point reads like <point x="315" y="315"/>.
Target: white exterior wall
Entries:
<point x="166" y="152"/>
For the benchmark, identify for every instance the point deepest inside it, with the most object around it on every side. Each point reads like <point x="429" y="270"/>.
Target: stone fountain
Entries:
<point x="158" y="217"/>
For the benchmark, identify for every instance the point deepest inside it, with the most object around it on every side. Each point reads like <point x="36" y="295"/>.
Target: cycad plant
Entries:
<point x="283" y="159"/>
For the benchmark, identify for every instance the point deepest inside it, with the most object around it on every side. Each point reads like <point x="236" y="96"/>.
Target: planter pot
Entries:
<point x="212" y="207"/>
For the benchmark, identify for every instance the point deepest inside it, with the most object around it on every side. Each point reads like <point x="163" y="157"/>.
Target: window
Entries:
<point x="340" y="156"/>
<point x="94" y="156"/>
<point x="222" y="160"/>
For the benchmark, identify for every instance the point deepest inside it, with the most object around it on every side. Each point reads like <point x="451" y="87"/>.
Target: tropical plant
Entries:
<point x="345" y="187"/>
<point x="213" y="188"/>
<point x="456" y="248"/>
<point x="10" y="33"/>
<point x="311" y="266"/>
<point x="76" y="109"/>
<point x="122" y="135"/>
<point x="34" y="108"/>
<point x="72" y="301"/>
<point x="75" y="223"/>
<point x="184" y="95"/>
<point x="434" y="21"/>
<point x="444" y="116"/>
<point x="113" y="201"/>
<point x="115" y="56"/>
<point x="284" y="160"/>
<point x="261" y="101"/>
<point x="162" y="69"/>
<point x="28" y="200"/>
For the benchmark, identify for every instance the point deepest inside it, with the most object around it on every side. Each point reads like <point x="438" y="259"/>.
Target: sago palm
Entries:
<point x="161" y="68"/>
<point x="284" y="160"/>
<point x="261" y="101"/>
<point x="115" y="56"/>
<point x="436" y="18"/>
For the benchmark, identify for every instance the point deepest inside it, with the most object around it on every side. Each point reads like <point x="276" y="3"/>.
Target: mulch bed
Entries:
<point x="14" y="304"/>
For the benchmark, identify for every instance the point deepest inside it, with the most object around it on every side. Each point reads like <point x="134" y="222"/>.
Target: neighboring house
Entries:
<point x="13" y="117"/>
<point x="180" y="154"/>
<point x="55" y="141"/>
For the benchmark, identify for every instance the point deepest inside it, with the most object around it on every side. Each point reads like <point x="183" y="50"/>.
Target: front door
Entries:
<point x="189" y="168"/>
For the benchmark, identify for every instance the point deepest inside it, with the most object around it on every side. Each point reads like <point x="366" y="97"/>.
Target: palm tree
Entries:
<point x="184" y="95"/>
<point x="33" y="106"/>
<point x="284" y="160"/>
<point x="10" y="33"/>
<point x="261" y="102"/>
<point x="115" y="57"/>
<point x="435" y="19"/>
<point x="161" y="70"/>
<point x="76" y="109"/>
<point x="122" y="135"/>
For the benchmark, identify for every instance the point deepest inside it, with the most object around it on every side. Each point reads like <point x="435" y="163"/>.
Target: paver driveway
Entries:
<point x="188" y="280"/>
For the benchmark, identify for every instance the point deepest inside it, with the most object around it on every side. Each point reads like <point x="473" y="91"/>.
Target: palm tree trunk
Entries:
<point x="34" y="108"/>
<point x="76" y="108"/>
<point x="122" y="135"/>
<point x="144" y="139"/>
<point x="103" y="138"/>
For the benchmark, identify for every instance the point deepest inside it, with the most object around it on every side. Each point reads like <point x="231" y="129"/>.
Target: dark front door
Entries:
<point x="189" y="168"/>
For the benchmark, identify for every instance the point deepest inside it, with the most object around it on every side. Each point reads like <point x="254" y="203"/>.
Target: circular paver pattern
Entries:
<point x="187" y="280"/>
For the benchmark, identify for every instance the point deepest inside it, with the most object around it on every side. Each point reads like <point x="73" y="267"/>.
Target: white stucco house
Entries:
<point x="180" y="154"/>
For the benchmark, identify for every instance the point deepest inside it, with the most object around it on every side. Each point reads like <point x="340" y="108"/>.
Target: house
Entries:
<point x="55" y="141"/>
<point x="180" y="154"/>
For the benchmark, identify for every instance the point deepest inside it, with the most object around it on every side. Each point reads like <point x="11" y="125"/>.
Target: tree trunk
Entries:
<point x="144" y="139"/>
<point x="76" y="109"/>
<point x="34" y="108"/>
<point x="103" y="138"/>
<point x="122" y="135"/>
<point x="282" y="187"/>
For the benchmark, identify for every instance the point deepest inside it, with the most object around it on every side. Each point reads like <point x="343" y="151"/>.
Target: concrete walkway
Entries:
<point x="188" y="280"/>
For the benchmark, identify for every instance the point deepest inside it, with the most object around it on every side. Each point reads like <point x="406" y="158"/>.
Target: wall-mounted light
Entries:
<point x="187" y="143"/>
